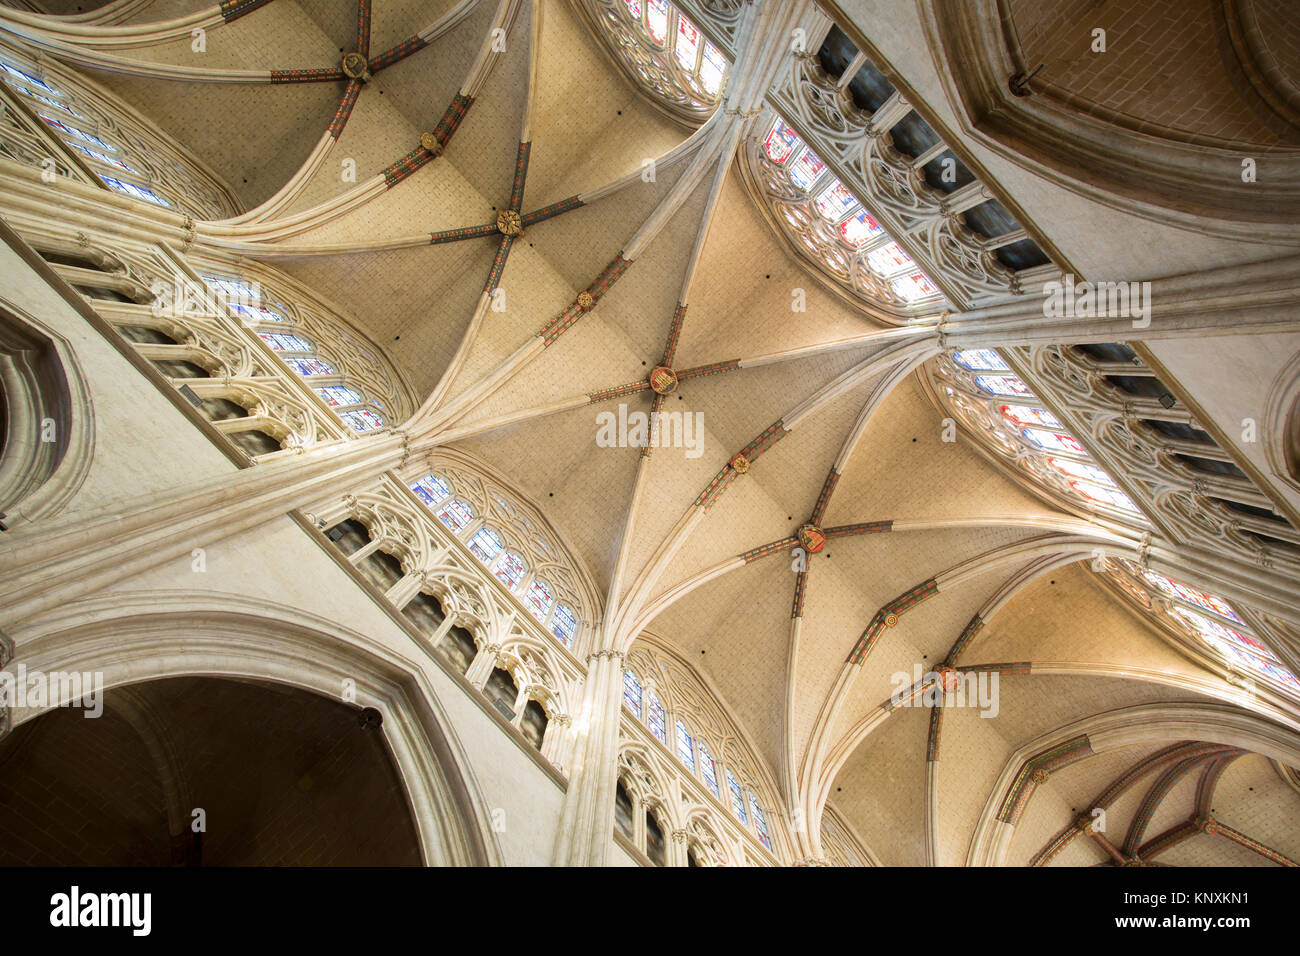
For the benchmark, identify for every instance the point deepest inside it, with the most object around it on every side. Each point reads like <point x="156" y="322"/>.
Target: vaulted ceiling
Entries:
<point x="783" y="678"/>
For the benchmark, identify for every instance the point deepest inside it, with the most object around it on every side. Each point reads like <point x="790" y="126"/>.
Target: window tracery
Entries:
<point x="665" y="52"/>
<point x="392" y="539"/>
<point x="667" y="700"/>
<point x="514" y="547"/>
<point x="117" y="146"/>
<point x="1204" y="619"/>
<point x="870" y="194"/>
<point x="982" y="391"/>
<point x="830" y="225"/>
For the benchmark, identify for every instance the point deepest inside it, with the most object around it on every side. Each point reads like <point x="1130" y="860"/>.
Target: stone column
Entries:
<point x="587" y="820"/>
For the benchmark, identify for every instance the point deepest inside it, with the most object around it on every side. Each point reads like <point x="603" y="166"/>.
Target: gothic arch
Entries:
<point x="48" y="419"/>
<point x="1182" y="180"/>
<point x="134" y="638"/>
<point x="1145" y="723"/>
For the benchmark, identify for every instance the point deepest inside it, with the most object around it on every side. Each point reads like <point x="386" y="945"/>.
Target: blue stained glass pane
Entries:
<point x="362" y="420"/>
<point x="510" y="570"/>
<point x="1003" y="385"/>
<point x="806" y="169"/>
<point x="76" y="133"/>
<point x="656" y="719"/>
<point x="760" y="821"/>
<point x="310" y="366"/>
<point x="632" y="693"/>
<point x="431" y="489"/>
<point x="707" y="768"/>
<point x="455" y="514"/>
<point x="485" y="545"/>
<point x="980" y="360"/>
<point x="685" y="747"/>
<point x="737" y="797"/>
<point x="339" y="396"/>
<point x="138" y="192"/>
<point x="284" y="342"/>
<point x="29" y="78"/>
<point x="104" y="158"/>
<point x="564" y="623"/>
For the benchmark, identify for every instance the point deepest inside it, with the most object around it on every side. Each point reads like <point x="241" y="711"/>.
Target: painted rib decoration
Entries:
<point x="234" y="9"/>
<point x="1037" y="770"/>
<point x="585" y="301"/>
<point x="740" y="463"/>
<point x="344" y="111"/>
<point x="888" y="616"/>
<point x="1116" y="789"/>
<point x="443" y="132"/>
<point x="363" y="28"/>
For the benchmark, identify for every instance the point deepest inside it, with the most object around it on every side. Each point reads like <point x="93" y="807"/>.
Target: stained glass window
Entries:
<point x="913" y="287"/>
<point x="1239" y="647"/>
<point x="362" y="420"/>
<point x="563" y="623"/>
<point x="781" y="142"/>
<point x="688" y="43"/>
<point x="685" y="746"/>
<point x="981" y="360"/>
<point x="632" y="693"/>
<point x="1104" y="495"/>
<point x="889" y="259"/>
<point x="29" y="78"/>
<point x="243" y="298"/>
<point x="313" y="366"/>
<point x="485" y="545"/>
<point x="510" y="570"/>
<point x="707" y="769"/>
<point x="1052" y="441"/>
<point x="539" y="599"/>
<point x="858" y="230"/>
<point x="1203" y="599"/>
<point x="285" y="342"/>
<point x="657" y="20"/>
<point x="760" y="821"/>
<point x="103" y="158"/>
<point x="712" y="68"/>
<point x="835" y="201"/>
<point x="1010" y="385"/>
<point x="1077" y="469"/>
<point x="737" y="796"/>
<point x="139" y="192"/>
<point x="431" y="489"/>
<point x="1025" y="415"/>
<point x="75" y="133"/>
<point x="806" y="169"/>
<point x="656" y="719"/>
<point x="455" y="514"/>
<point x="339" y="396"/>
